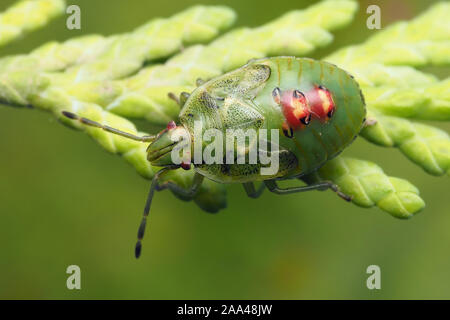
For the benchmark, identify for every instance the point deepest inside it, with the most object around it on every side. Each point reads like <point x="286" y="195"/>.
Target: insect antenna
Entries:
<point x="95" y="124"/>
<point x="148" y="203"/>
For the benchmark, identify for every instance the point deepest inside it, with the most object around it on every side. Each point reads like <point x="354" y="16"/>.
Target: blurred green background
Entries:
<point x="63" y="201"/>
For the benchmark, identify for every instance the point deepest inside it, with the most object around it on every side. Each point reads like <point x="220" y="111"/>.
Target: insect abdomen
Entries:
<point x="324" y="136"/>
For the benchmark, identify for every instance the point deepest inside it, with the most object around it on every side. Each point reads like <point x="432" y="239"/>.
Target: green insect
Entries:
<point x="312" y="109"/>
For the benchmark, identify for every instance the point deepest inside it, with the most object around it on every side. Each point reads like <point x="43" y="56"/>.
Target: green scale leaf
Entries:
<point x="370" y="186"/>
<point x="90" y="58"/>
<point x="26" y="16"/>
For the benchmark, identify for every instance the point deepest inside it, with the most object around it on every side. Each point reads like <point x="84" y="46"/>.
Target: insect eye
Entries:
<point x="297" y="94"/>
<point x="288" y="133"/>
<point x="305" y="120"/>
<point x="330" y="113"/>
<point x="322" y="87"/>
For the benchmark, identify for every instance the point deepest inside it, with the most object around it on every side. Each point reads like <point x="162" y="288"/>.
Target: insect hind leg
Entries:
<point x="321" y="186"/>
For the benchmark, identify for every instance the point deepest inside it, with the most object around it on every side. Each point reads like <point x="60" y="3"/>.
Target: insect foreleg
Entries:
<point x="273" y="187"/>
<point x="184" y="193"/>
<point x="251" y="191"/>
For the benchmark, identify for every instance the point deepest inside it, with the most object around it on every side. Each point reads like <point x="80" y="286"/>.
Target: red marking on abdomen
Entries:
<point x="321" y="103"/>
<point x="295" y="109"/>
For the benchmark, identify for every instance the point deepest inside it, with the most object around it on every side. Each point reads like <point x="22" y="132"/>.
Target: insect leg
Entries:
<point x="184" y="193"/>
<point x="95" y="124"/>
<point x="251" y="191"/>
<point x="273" y="187"/>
